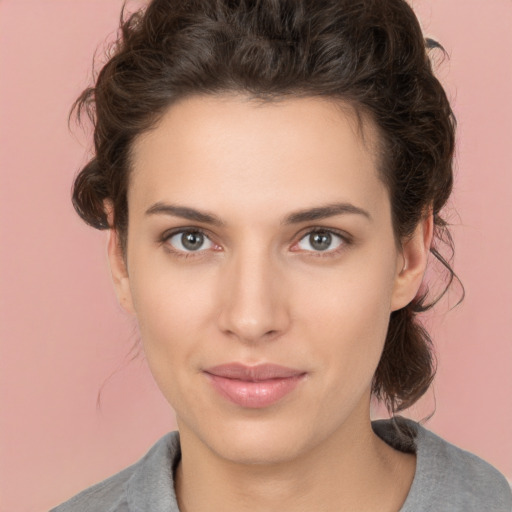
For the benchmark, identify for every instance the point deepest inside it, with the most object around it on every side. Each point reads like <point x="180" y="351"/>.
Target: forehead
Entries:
<point x="222" y="150"/>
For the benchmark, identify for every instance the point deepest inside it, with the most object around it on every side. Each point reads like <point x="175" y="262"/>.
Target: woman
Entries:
<point x="272" y="175"/>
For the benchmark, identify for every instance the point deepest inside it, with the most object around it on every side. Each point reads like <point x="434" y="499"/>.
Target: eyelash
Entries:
<point x="346" y="240"/>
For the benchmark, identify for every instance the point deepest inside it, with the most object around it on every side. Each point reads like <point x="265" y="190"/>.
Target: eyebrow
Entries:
<point x="323" y="212"/>
<point x="308" y="215"/>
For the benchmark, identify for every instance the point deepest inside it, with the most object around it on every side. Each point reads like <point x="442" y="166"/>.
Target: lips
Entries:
<point x="254" y="386"/>
<point x="253" y="373"/>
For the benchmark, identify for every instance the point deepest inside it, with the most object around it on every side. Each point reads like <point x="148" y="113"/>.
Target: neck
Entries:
<point x="353" y="469"/>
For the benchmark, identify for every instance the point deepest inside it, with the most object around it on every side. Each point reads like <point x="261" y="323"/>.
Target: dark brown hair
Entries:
<point x="370" y="54"/>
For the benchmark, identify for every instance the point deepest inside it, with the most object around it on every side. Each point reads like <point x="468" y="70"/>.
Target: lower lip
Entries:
<point x="254" y="394"/>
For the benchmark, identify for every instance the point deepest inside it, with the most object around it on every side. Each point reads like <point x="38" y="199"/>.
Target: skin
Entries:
<point x="259" y="291"/>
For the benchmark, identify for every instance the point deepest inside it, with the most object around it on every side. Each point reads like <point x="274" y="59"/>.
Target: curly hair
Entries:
<point x="370" y="54"/>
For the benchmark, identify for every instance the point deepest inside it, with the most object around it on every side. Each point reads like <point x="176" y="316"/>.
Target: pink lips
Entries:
<point x="254" y="386"/>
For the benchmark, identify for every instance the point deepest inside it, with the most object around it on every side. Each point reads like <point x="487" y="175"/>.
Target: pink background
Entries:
<point x="62" y="334"/>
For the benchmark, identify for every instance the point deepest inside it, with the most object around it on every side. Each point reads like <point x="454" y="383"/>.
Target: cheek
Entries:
<point x="347" y="314"/>
<point x="166" y="294"/>
<point x="172" y="308"/>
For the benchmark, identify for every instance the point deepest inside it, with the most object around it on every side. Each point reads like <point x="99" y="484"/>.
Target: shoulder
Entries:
<point x="451" y="479"/>
<point x="110" y="495"/>
<point x="150" y="477"/>
<point x="463" y="476"/>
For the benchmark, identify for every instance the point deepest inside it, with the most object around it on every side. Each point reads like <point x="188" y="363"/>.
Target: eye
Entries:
<point x="189" y="241"/>
<point x="322" y="240"/>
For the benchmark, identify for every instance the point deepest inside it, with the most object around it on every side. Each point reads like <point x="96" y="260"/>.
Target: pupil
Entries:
<point x="321" y="241"/>
<point x="192" y="241"/>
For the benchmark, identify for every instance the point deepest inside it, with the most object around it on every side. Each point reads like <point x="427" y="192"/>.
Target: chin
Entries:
<point x="260" y="449"/>
<point x="258" y="442"/>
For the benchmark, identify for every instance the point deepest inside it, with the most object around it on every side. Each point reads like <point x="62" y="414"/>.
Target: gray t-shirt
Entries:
<point x="447" y="479"/>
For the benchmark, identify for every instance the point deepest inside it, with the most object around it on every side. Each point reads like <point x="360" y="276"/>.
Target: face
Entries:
<point x="261" y="234"/>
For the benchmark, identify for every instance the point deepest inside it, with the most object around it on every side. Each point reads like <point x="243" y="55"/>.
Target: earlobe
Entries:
<point x="412" y="263"/>
<point x="118" y="267"/>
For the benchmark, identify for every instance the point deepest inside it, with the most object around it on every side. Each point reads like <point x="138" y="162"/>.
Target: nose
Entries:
<point x="253" y="303"/>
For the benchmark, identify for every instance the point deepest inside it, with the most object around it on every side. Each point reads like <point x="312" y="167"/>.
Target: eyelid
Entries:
<point x="346" y="238"/>
<point x="167" y="235"/>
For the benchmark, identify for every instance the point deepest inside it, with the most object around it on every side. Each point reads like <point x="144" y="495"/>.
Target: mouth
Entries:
<point x="254" y="386"/>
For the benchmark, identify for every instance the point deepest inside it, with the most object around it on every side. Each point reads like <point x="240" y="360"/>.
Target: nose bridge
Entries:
<point x="252" y="305"/>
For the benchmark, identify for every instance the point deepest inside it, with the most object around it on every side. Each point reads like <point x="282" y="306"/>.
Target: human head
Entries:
<point x="370" y="54"/>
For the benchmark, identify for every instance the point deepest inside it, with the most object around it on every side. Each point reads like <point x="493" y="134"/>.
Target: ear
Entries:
<point x="118" y="267"/>
<point x="412" y="263"/>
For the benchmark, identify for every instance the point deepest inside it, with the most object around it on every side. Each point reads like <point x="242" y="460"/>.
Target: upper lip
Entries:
<point x="253" y="373"/>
